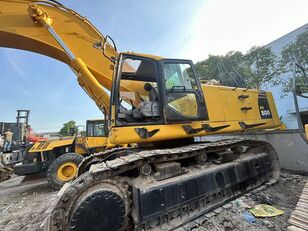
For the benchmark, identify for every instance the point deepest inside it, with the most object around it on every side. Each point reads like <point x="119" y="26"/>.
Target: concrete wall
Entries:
<point x="292" y="150"/>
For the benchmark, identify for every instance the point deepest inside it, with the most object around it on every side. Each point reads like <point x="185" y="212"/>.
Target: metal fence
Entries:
<point x="17" y="129"/>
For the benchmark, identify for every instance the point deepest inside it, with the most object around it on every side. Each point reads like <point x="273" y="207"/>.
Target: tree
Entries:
<point x="207" y="69"/>
<point x="222" y="68"/>
<point x="252" y="69"/>
<point x="66" y="129"/>
<point x="262" y="63"/>
<point x="292" y="53"/>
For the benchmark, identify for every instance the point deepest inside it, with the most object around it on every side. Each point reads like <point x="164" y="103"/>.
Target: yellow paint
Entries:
<point x="223" y="104"/>
<point x="79" y="150"/>
<point x="123" y="135"/>
<point x="97" y="143"/>
<point x="306" y="130"/>
<point x="81" y="144"/>
<point x="251" y="102"/>
<point x="43" y="146"/>
<point x="39" y="15"/>
<point x="155" y="57"/>
<point x="67" y="171"/>
<point x="213" y="103"/>
<point x="224" y="108"/>
<point x="90" y="84"/>
<point x="18" y="30"/>
<point x="22" y="27"/>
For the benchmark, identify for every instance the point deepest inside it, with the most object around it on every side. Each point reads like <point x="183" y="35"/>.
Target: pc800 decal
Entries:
<point x="264" y="107"/>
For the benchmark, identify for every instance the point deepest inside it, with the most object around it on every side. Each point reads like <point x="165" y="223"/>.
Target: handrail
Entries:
<point x="295" y="94"/>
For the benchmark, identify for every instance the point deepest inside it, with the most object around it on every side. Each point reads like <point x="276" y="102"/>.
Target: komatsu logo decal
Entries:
<point x="264" y="108"/>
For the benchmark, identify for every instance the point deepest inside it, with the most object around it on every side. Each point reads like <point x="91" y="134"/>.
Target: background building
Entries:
<point x="285" y="104"/>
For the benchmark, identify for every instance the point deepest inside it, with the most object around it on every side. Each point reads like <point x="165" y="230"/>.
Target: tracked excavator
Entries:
<point x="169" y="179"/>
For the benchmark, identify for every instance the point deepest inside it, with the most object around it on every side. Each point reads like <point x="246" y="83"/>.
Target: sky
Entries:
<point x="175" y="29"/>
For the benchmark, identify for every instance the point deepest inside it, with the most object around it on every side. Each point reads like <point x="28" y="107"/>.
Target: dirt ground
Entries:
<point x="23" y="205"/>
<point x="283" y="196"/>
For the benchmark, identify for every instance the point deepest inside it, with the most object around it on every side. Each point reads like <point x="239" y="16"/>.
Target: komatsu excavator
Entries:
<point x="169" y="179"/>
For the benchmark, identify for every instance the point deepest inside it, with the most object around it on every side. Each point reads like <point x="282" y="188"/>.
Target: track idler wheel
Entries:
<point x="101" y="207"/>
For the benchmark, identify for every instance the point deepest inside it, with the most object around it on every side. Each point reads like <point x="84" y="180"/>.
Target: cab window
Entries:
<point x="95" y="129"/>
<point x="179" y="75"/>
<point x="138" y="92"/>
<point x="181" y="86"/>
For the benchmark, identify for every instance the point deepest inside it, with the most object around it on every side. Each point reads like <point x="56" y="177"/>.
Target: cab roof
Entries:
<point x="155" y="57"/>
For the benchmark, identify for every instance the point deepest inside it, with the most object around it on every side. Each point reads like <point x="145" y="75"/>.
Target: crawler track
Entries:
<point x="197" y="223"/>
<point x="146" y="204"/>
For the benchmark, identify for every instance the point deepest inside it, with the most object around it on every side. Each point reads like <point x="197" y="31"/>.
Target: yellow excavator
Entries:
<point x="59" y="158"/>
<point x="170" y="178"/>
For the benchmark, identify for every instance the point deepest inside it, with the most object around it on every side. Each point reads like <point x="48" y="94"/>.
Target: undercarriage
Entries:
<point x="160" y="189"/>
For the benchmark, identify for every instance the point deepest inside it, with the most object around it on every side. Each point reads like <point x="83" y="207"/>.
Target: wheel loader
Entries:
<point x="170" y="178"/>
<point x="59" y="158"/>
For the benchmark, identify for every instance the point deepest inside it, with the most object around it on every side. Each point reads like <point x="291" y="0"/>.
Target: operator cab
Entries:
<point x="138" y="100"/>
<point x="156" y="91"/>
<point x="95" y="128"/>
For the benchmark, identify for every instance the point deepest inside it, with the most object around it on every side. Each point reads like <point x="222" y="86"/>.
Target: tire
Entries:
<point x="63" y="169"/>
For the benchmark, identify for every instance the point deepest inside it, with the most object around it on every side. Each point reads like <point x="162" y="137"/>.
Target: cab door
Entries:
<point x="96" y="137"/>
<point x="182" y="93"/>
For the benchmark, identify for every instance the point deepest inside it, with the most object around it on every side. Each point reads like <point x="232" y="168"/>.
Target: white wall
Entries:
<point x="286" y="104"/>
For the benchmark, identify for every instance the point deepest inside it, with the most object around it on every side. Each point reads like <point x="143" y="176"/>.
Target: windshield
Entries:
<point x="179" y="76"/>
<point x="180" y="85"/>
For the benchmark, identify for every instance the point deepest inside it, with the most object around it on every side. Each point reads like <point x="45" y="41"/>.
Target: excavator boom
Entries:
<point x="49" y="28"/>
<point x="26" y="25"/>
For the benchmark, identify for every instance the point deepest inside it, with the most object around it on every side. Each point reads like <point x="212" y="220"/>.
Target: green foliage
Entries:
<point x="258" y="66"/>
<point x="66" y="129"/>
<point x="261" y="61"/>
<point x="294" y="52"/>
<point x="209" y="68"/>
<point x="255" y="67"/>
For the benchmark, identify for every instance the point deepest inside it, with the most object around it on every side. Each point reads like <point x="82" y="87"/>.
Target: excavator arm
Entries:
<point x="49" y="28"/>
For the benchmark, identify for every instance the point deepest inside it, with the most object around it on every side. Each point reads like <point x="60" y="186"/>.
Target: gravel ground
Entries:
<point x="22" y="207"/>
<point x="283" y="196"/>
